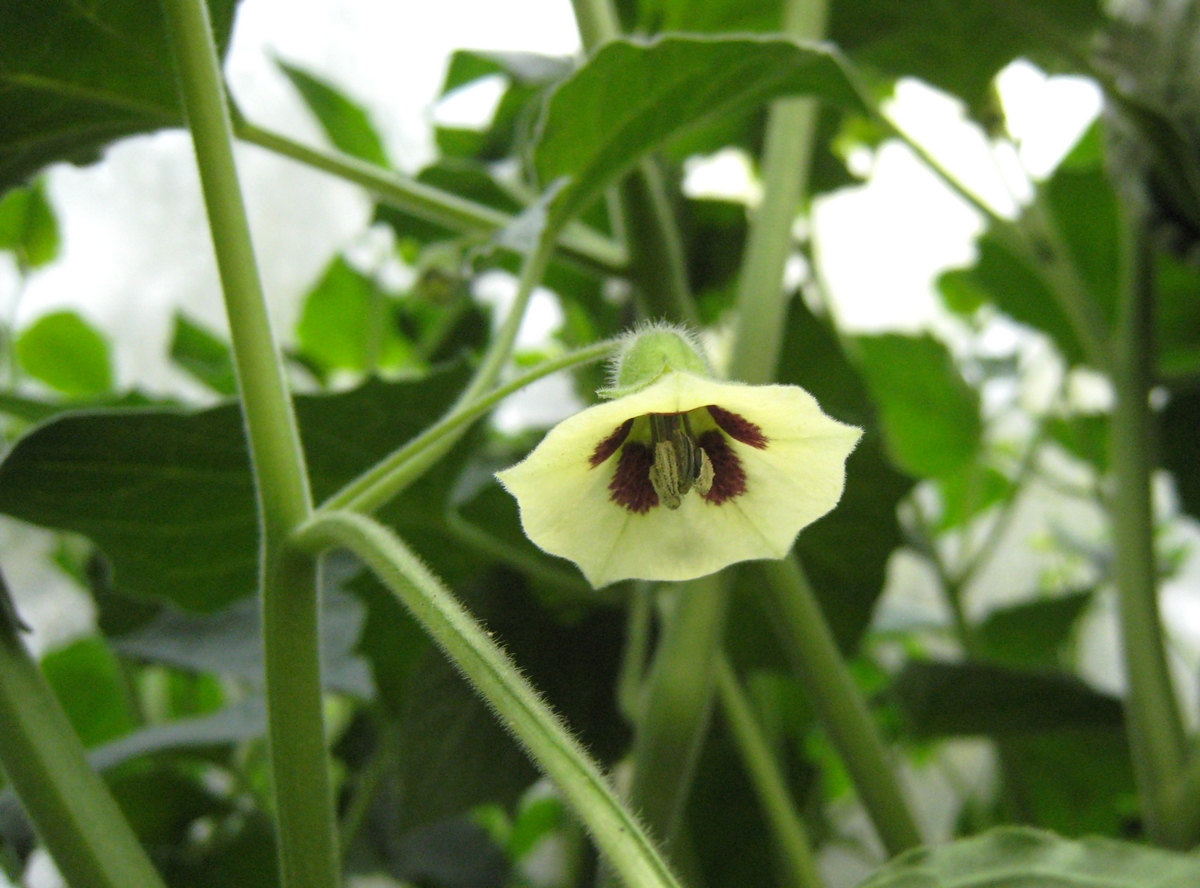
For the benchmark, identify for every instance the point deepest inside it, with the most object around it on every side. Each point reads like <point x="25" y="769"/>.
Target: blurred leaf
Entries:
<point x="969" y="492"/>
<point x="845" y="553"/>
<point x="168" y="497"/>
<point x="1084" y="436"/>
<point x="87" y="680"/>
<point x="526" y="68"/>
<point x="243" y="854"/>
<point x="1179" y="444"/>
<point x="943" y="699"/>
<point x="462" y="177"/>
<point x="205" y="357"/>
<point x="62" y="350"/>
<point x="344" y="122"/>
<point x="629" y="98"/>
<point x="1027" y="858"/>
<point x="1084" y="209"/>
<point x="1032" y="634"/>
<point x="535" y="821"/>
<point x="77" y="77"/>
<point x="28" y="226"/>
<point x="348" y="323"/>
<point x="161" y="801"/>
<point x="1177" y="316"/>
<point x="930" y="415"/>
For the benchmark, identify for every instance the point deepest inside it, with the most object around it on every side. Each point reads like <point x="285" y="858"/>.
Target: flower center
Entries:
<point x="664" y="456"/>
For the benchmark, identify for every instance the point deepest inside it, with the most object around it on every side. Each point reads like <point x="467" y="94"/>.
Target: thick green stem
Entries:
<point x="71" y="808"/>
<point x="761" y="303"/>
<point x="500" y="683"/>
<point x="1153" y="720"/>
<point x="770" y="784"/>
<point x="432" y="204"/>
<point x="796" y="616"/>
<point x="677" y="704"/>
<point x="303" y="800"/>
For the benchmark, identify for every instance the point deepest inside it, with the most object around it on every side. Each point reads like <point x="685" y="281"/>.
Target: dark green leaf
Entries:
<point x="28" y="226"/>
<point x="76" y="77"/>
<point x="955" y="699"/>
<point x="1084" y="437"/>
<point x="969" y="492"/>
<point x="345" y="123"/>
<point x="203" y="356"/>
<point x="167" y="495"/>
<point x="68" y="354"/>
<point x="462" y="177"/>
<point x="1084" y="209"/>
<point x="1177" y="315"/>
<point x="930" y="415"/>
<point x="631" y="97"/>
<point x="1180" y="446"/>
<point x="87" y="680"/>
<point x="1032" y="634"/>
<point x="1026" y="858"/>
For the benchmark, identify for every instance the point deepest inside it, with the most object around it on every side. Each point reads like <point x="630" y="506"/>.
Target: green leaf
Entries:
<point x="28" y="226"/>
<point x="969" y="492"/>
<point x="1083" y="205"/>
<point x="205" y="357"/>
<point x="345" y="123"/>
<point x="77" y="77"/>
<point x="465" y="178"/>
<point x="961" y="699"/>
<point x="526" y="68"/>
<point x="167" y="495"/>
<point x="68" y="354"/>
<point x="1177" y="316"/>
<point x="1021" y="857"/>
<point x="87" y="680"/>
<point x="930" y="415"/>
<point x="1032" y="634"/>
<point x="1084" y="436"/>
<point x="631" y="97"/>
<point x="1180" y="446"/>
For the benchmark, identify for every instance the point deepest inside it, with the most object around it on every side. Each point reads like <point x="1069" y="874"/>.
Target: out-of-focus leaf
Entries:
<point x="345" y="123"/>
<point x="161" y="802"/>
<point x="1031" y="635"/>
<point x="245" y="856"/>
<point x="527" y="68"/>
<point x="76" y="77"/>
<point x="1083" y="205"/>
<point x="1177" y="316"/>
<point x="845" y="553"/>
<point x="28" y="227"/>
<point x="969" y="492"/>
<point x="930" y="415"/>
<point x="68" y="354"/>
<point x="1179" y="444"/>
<point x="168" y="497"/>
<point x="1083" y="436"/>
<point x="348" y="323"/>
<point x="943" y="699"/>
<point x="205" y="357"/>
<point x="87" y="680"/>
<point x="631" y="97"/>
<point x="1028" y="858"/>
<point x="462" y="177"/>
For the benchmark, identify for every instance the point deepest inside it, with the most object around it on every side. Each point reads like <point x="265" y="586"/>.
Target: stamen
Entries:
<point x="704" y="481"/>
<point x="630" y="486"/>
<point x="728" y="476"/>
<point x="664" y="475"/>
<point x="609" y="445"/>
<point x="738" y="427"/>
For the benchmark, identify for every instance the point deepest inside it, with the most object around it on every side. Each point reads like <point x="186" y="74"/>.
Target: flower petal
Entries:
<point x="798" y="477"/>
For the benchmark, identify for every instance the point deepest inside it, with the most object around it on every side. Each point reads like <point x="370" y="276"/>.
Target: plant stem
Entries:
<point x="1156" y="733"/>
<point x="791" y="838"/>
<point x="500" y="683"/>
<point x="391" y="475"/>
<point x="75" y="815"/>
<point x="432" y="204"/>
<point x="787" y="155"/>
<point x="308" y="851"/>
<point x="796" y="615"/>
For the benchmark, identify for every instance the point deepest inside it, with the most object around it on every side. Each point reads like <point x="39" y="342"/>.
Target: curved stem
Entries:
<point x="791" y="838"/>
<point x="500" y="683"/>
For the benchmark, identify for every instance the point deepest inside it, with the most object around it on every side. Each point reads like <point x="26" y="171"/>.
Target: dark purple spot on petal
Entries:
<point x="729" y="478"/>
<point x="609" y="445"/>
<point x="630" y="486"/>
<point x="738" y="427"/>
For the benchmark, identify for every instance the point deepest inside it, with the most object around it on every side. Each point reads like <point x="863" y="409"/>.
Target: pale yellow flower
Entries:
<point x="681" y="478"/>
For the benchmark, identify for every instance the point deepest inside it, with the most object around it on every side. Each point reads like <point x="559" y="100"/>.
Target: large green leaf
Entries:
<point x="76" y="76"/>
<point x="345" y="123"/>
<point x="167" y="495"/>
<point x="1018" y="857"/>
<point x="930" y="415"/>
<point x="631" y="97"/>
<point x="1180" y="446"/>
<point x="1177" y="312"/>
<point x="67" y="353"/>
<point x="1032" y="634"/>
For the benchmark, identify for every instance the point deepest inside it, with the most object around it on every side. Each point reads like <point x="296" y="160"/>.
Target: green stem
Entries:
<point x="432" y="204"/>
<point x="75" y="815"/>
<point x="677" y="704"/>
<point x="787" y="154"/>
<point x="770" y="784"/>
<point x="308" y="852"/>
<point x="1154" y="723"/>
<point x="391" y="475"/>
<point x="796" y="616"/>
<point x="500" y="683"/>
<point x="638" y="619"/>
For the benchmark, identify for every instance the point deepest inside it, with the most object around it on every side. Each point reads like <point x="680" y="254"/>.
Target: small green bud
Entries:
<point x="650" y="352"/>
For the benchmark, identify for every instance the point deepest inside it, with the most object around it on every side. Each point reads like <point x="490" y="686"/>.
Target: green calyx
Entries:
<point x="649" y="354"/>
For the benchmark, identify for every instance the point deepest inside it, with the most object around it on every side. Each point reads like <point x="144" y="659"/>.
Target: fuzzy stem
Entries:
<point x="796" y="616"/>
<point x="486" y="666"/>
<point x="770" y="784"/>
<point x="308" y="853"/>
